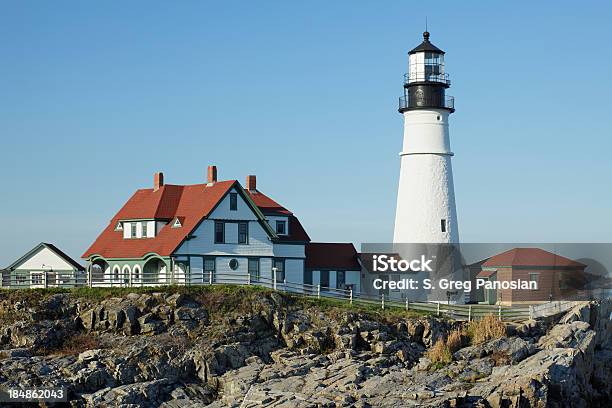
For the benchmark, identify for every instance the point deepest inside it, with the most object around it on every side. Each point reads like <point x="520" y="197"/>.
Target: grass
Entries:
<point x="477" y="331"/>
<point x="485" y="329"/>
<point x="454" y="340"/>
<point x="440" y="354"/>
<point x="217" y="298"/>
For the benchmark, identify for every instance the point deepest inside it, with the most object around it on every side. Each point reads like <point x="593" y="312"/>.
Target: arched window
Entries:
<point x="116" y="271"/>
<point x="126" y="274"/>
<point x="136" y="273"/>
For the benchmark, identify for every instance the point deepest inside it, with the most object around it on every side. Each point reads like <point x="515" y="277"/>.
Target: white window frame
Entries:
<point x="38" y="274"/>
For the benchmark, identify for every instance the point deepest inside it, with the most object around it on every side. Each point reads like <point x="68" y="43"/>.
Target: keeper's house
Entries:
<point x="216" y="232"/>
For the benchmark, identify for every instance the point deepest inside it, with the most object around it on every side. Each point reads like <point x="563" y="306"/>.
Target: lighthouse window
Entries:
<point x="432" y="69"/>
<point x="443" y="225"/>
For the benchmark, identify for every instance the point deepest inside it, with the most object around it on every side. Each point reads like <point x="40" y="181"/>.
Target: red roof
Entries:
<point x="297" y="233"/>
<point x="334" y="256"/>
<point x="485" y="274"/>
<point x="268" y="206"/>
<point x="190" y="203"/>
<point x="530" y="257"/>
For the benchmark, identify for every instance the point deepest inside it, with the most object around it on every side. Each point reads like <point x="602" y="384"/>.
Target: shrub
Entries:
<point x="488" y="328"/>
<point x="75" y="345"/>
<point x="440" y="354"/>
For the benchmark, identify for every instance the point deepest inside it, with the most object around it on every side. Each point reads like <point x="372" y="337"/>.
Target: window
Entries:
<point x="234" y="264"/>
<point x="119" y="226"/>
<point x="324" y="280"/>
<point x="340" y="280"/>
<point x="254" y="268"/>
<point x="63" y="278"/>
<point x="209" y="269"/>
<point x="36" y="278"/>
<point x="177" y="223"/>
<point x="395" y="278"/>
<point x="281" y="227"/>
<point x="20" y="279"/>
<point x="385" y="290"/>
<point x="144" y="229"/>
<point x="233" y="201"/>
<point x="533" y="277"/>
<point x="133" y="230"/>
<point x="279" y="264"/>
<point x="125" y="278"/>
<point x="136" y="273"/>
<point x="443" y="225"/>
<point x="307" y="277"/>
<point x="116" y="273"/>
<point x="243" y="233"/>
<point x="219" y="232"/>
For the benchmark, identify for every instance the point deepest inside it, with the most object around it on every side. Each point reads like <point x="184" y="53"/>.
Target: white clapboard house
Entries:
<point x="44" y="266"/>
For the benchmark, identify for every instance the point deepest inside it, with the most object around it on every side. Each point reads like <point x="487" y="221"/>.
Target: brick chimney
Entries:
<point x="212" y="174"/>
<point x="251" y="182"/>
<point x="158" y="181"/>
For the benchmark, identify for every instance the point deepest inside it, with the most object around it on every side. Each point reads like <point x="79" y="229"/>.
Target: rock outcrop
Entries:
<point x="251" y="348"/>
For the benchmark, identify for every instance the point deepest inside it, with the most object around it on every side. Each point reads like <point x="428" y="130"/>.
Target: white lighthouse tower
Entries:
<point x="425" y="199"/>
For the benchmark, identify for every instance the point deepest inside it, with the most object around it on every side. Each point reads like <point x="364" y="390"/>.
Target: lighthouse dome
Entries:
<point x="426" y="46"/>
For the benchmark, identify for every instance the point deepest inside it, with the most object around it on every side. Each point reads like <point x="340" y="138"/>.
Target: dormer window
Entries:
<point x="233" y="201"/>
<point x="144" y="229"/>
<point x="134" y="224"/>
<point x="281" y="227"/>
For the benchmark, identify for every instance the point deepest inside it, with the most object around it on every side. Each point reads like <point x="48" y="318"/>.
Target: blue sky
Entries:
<point x="97" y="96"/>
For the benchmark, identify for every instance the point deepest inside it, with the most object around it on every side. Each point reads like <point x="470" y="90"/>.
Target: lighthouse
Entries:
<point x="425" y="211"/>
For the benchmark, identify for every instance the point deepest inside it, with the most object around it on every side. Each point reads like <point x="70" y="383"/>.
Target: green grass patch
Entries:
<point x="219" y="300"/>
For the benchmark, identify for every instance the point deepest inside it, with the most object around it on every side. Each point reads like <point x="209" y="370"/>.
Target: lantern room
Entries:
<point x="426" y="64"/>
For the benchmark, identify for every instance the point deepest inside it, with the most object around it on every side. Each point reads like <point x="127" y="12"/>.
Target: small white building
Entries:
<point x="44" y="266"/>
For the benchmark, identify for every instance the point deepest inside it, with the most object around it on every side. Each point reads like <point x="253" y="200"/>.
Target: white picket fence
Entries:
<point x="454" y="311"/>
<point x="458" y="312"/>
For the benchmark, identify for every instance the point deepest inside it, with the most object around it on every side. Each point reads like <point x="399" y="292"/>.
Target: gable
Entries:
<point x="190" y="204"/>
<point x="243" y="211"/>
<point x="43" y="258"/>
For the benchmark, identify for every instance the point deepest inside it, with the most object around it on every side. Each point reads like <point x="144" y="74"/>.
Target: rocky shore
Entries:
<point x="244" y="347"/>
